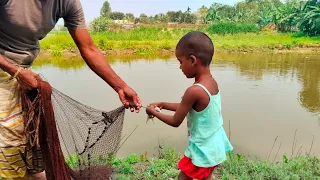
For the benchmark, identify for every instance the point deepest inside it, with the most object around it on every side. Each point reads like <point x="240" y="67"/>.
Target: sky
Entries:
<point x="150" y="7"/>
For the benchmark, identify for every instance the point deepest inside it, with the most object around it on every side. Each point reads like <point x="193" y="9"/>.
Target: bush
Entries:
<point x="232" y="28"/>
<point x="100" y="24"/>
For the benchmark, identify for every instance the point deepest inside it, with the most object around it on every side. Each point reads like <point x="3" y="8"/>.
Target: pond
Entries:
<point x="270" y="102"/>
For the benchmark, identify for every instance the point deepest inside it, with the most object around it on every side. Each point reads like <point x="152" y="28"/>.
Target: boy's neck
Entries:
<point x="203" y="74"/>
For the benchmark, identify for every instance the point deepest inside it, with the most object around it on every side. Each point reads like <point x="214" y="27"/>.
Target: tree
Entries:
<point x="170" y="16"/>
<point x="105" y="10"/>
<point x="188" y="10"/>
<point x="202" y="12"/>
<point x="143" y="18"/>
<point x="189" y="18"/>
<point x="117" y="15"/>
<point x="161" y="18"/>
<point x="227" y="13"/>
<point x="129" y="16"/>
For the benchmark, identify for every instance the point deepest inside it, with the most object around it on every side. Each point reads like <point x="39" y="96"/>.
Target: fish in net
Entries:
<point x="75" y="141"/>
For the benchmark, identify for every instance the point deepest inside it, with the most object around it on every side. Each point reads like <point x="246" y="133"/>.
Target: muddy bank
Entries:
<point x="314" y="49"/>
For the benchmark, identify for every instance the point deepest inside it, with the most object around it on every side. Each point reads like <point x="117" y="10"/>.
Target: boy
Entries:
<point x="201" y="104"/>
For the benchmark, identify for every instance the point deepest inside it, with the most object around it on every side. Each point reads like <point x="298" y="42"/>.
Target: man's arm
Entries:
<point x="187" y="102"/>
<point x="26" y="78"/>
<point x="95" y="59"/>
<point x="97" y="63"/>
<point x="7" y="66"/>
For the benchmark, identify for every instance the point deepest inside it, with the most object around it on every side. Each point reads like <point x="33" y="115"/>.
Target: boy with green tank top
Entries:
<point x="201" y="104"/>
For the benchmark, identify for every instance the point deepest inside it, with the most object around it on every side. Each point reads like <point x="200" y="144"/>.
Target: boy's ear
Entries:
<point x="193" y="60"/>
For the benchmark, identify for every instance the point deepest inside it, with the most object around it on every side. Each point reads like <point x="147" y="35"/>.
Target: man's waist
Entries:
<point x="22" y="58"/>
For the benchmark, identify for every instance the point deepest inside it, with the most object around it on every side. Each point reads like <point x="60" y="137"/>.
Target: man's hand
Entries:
<point x="27" y="79"/>
<point x="98" y="64"/>
<point x="129" y="99"/>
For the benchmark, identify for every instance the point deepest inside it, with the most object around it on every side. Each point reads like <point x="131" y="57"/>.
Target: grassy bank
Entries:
<point x="236" y="167"/>
<point x="152" y="40"/>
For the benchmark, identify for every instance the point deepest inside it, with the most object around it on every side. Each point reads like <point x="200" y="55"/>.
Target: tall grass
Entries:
<point x="232" y="28"/>
<point x="153" y="40"/>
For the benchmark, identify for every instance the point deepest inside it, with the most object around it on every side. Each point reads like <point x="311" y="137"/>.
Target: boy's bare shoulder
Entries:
<point x="193" y="91"/>
<point x="212" y="86"/>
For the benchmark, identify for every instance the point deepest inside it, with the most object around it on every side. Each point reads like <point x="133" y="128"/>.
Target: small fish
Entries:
<point x="151" y="116"/>
<point x="148" y="119"/>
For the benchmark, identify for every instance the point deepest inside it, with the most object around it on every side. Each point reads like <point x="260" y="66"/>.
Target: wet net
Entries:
<point x="75" y="141"/>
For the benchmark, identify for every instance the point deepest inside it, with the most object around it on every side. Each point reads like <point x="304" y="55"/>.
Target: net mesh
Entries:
<point x="88" y="138"/>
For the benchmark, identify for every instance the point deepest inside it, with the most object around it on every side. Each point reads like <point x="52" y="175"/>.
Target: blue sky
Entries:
<point x="150" y="7"/>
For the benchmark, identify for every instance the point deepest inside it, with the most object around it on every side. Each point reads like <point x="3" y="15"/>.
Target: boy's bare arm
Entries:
<point x="188" y="100"/>
<point x="170" y="106"/>
<point x="166" y="105"/>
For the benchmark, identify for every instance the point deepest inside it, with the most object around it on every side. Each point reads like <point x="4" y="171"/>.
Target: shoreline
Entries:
<point x="150" y="41"/>
<point x="170" y="52"/>
<point x="73" y="60"/>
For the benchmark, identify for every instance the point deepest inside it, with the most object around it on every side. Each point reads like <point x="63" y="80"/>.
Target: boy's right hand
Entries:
<point x="157" y="104"/>
<point x="152" y="106"/>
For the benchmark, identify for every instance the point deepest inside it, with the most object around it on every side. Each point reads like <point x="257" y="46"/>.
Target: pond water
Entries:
<point x="270" y="102"/>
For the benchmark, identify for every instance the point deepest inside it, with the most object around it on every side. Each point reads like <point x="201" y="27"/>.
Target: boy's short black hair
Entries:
<point x="198" y="44"/>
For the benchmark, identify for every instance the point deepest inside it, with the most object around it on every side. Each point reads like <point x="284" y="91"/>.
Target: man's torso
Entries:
<point x="24" y="22"/>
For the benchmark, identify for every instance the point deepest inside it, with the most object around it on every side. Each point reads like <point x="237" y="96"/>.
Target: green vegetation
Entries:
<point x="236" y="167"/>
<point x="288" y="16"/>
<point x="241" y="167"/>
<point x="232" y="28"/>
<point x="250" y="25"/>
<point x="283" y="16"/>
<point x="153" y="40"/>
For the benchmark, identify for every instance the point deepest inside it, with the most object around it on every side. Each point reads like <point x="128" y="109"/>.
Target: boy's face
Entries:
<point x="186" y="64"/>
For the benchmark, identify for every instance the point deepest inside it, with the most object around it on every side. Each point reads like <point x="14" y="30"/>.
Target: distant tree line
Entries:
<point x="287" y="16"/>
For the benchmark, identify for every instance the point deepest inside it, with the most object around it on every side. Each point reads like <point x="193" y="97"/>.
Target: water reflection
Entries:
<point x="303" y="67"/>
<point x="309" y="75"/>
<point x="73" y="61"/>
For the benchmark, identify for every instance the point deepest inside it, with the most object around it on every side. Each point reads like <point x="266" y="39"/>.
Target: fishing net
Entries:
<point x="76" y="141"/>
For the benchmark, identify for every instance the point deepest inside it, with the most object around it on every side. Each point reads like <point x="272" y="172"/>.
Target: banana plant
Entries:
<point x="310" y="18"/>
<point x="212" y="16"/>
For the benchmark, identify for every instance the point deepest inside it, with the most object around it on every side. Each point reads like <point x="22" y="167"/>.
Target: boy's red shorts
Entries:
<point x="192" y="171"/>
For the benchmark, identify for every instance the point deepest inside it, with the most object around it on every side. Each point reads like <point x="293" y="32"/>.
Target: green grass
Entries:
<point x="236" y="167"/>
<point x="232" y="28"/>
<point x="241" y="167"/>
<point x="151" y="40"/>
